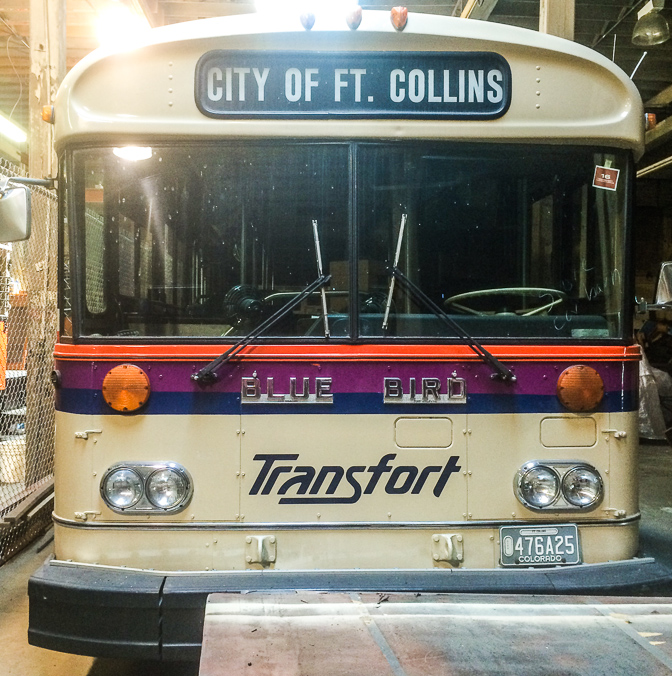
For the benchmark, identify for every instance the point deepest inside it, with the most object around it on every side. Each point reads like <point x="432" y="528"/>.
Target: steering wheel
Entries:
<point x="549" y="297"/>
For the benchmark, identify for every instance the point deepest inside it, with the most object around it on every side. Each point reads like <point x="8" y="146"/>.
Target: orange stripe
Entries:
<point x="347" y="352"/>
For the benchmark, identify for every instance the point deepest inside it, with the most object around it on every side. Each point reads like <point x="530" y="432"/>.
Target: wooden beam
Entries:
<point x="661" y="99"/>
<point x="478" y="9"/>
<point x="660" y="134"/>
<point x="556" y="17"/>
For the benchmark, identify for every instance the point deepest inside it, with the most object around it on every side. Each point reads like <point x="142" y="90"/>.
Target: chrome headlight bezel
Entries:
<point x="145" y="470"/>
<point x="599" y="486"/>
<point x="523" y="476"/>
<point x="131" y="478"/>
<point x="561" y="469"/>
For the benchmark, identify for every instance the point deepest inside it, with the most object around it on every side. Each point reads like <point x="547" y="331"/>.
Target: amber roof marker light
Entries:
<point x="580" y="388"/>
<point x="126" y="388"/>
<point x="399" y="17"/>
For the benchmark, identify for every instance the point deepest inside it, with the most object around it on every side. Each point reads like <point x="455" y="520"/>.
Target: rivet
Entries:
<point x="459" y="538"/>
<point x="248" y="540"/>
<point x="435" y="557"/>
<point x="272" y="540"/>
<point x="435" y="538"/>
<point x="248" y="559"/>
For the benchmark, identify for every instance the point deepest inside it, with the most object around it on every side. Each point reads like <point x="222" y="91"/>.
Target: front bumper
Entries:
<point x="105" y="611"/>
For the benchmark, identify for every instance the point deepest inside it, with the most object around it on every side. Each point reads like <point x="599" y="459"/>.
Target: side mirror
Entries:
<point x="14" y="212"/>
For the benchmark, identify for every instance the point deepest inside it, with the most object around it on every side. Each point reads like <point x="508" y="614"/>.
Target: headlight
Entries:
<point x="122" y="488"/>
<point x="146" y="488"/>
<point x="538" y="486"/>
<point x="166" y="488"/>
<point x="582" y="486"/>
<point x="558" y="485"/>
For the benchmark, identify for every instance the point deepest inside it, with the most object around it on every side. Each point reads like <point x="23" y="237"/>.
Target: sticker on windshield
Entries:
<point x="606" y="178"/>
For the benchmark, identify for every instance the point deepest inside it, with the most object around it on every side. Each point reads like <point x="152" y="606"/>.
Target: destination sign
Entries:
<point x="445" y="85"/>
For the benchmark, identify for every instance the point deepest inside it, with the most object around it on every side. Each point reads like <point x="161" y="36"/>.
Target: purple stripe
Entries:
<point x="537" y="378"/>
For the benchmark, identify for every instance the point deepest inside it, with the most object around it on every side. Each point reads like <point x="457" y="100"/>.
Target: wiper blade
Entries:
<point x="501" y="371"/>
<point x="208" y="374"/>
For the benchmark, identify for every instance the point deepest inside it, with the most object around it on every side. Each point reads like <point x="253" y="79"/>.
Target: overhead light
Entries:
<point x="11" y="131"/>
<point x="118" y="26"/>
<point x="133" y="153"/>
<point x="651" y="27"/>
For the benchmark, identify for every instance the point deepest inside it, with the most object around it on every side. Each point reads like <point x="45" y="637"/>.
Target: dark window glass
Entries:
<point x="510" y="241"/>
<point x="212" y="241"/>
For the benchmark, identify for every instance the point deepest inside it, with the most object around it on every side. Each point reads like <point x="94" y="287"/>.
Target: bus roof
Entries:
<point x="559" y="91"/>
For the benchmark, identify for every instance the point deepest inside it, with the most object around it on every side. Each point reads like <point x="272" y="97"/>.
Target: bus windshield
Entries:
<point x="208" y="241"/>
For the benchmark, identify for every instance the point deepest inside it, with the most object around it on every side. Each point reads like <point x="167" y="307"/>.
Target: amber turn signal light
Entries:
<point x="580" y="388"/>
<point x="126" y="388"/>
<point x="48" y="114"/>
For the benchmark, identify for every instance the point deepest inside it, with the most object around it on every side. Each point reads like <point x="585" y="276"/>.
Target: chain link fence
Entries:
<point x="28" y="325"/>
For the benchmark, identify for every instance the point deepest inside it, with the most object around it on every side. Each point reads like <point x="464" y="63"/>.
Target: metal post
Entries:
<point x="48" y="64"/>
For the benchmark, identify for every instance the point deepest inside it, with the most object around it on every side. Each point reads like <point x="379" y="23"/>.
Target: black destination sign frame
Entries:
<point x="444" y="85"/>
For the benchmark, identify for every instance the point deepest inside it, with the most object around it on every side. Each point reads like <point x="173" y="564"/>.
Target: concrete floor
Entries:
<point x="17" y="658"/>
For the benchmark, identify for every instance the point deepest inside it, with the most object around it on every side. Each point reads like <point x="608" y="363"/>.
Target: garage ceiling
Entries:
<point x="605" y="25"/>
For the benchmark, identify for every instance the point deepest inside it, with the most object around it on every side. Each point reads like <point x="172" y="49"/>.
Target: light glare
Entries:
<point x="133" y="153"/>
<point x="118" y="26"/>
<point x="299" y="6"/>
<point x="12" y="131"/>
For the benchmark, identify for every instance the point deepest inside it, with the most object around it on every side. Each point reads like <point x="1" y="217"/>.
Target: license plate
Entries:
<point x="523" y="546"/>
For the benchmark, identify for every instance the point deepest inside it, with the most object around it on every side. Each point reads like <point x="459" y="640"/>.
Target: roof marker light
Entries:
<point x="308" y="20"/>
<point x="399" y="16"/>
<point x="354" y="18"/>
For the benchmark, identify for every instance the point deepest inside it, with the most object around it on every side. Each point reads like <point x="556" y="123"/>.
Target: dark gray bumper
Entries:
<point x="91" y="610"/>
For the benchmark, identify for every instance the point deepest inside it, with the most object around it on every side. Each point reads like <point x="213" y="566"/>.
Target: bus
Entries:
<point x="348" y="307"/>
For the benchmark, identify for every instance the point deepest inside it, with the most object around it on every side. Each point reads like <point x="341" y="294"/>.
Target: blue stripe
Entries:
<point x="90" y="402"/>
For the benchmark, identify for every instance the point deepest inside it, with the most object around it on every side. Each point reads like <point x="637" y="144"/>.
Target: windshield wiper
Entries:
<point x="501" y="371"/>
<point x="208" y="374"/>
